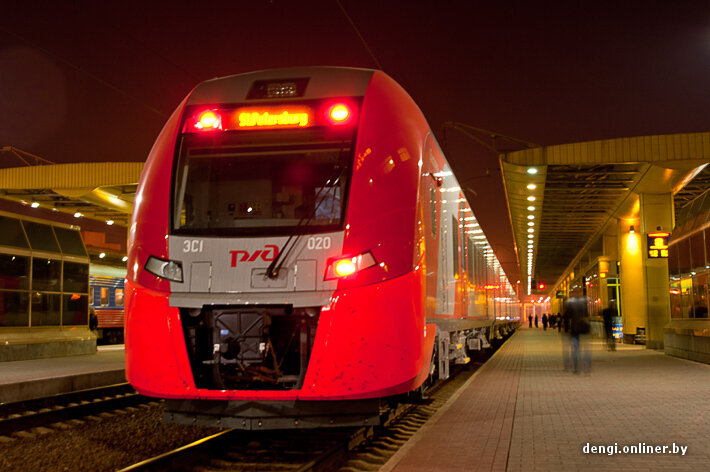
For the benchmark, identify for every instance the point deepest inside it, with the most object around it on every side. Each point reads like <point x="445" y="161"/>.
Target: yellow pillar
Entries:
<point x="656" y="212"/>
<point x="644" y="281"/>
<point x="633" y="298"/>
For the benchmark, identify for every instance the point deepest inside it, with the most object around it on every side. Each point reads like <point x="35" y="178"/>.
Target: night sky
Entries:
<point x="95" y="81"/>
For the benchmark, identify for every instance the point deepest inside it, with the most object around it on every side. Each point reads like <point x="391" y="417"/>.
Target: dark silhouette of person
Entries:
<point x="544" y="321"/>
<point x="529" y="321"/>
<point x="608" y="314"/>
<point x="576" y="310"/>
<point x="93" y="320"/>
<point x="536" y="321"/>
<point x="559" y="323"/>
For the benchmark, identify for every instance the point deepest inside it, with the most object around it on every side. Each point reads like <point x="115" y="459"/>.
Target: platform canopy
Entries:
<point x="563" y="197"/>
<point x="99" y="190"/>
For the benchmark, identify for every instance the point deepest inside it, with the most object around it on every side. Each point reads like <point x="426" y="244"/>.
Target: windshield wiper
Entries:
<point x="272" y="271"/>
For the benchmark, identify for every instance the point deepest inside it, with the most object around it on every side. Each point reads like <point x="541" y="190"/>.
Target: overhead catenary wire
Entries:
<point x="359" y="35"/>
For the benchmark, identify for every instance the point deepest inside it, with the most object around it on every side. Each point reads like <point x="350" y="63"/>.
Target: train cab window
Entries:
<point x="103" y="297"/>
<point x="119" y="297"/>
<point x="274" y="183"/>
<point x="11" y="233"/>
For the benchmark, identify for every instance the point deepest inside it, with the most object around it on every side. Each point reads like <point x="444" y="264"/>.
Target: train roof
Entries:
<point x="320" y="82"/>
<point x="107" y="271"/>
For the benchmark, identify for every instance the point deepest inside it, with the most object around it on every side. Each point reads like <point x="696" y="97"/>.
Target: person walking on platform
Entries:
<point x="579" y="328"/>
<point x="529" y="321"/>
<point x="559" y="323"/>
<point x="608" y="314"/>
<point x="536" y="320"/>
<point x="544" y="321"/>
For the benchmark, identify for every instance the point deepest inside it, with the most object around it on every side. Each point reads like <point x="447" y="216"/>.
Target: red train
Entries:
<point x="299" y="251"/>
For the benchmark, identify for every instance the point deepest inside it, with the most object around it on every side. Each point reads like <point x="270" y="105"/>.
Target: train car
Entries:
<point x="300" y="252"/>
<point x="106" y="302"/>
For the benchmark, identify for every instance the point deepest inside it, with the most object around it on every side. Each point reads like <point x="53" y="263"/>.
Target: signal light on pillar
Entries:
<point x="541" y="286"/>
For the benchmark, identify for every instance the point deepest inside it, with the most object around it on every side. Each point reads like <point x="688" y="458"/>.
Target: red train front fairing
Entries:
<point x="370" y="343"/>
<point x="228" y="181"/>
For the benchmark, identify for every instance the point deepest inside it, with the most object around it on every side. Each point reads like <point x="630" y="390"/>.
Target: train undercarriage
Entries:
<point x="268" y="348"/>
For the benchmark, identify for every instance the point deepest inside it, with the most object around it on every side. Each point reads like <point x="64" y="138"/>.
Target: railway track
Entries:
<point x="43" y="412"/>
<point x="318" y="450"/>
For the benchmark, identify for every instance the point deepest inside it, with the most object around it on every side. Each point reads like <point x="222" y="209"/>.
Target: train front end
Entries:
<point x="262" y="283"/>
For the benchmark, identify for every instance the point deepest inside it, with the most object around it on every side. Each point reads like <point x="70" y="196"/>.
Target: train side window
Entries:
<point x="462" y="229"/>
<point x="469" y="259"/>
<point x="104" y="296"/>
<point x="455" y="234"/>
<point x="432" y="192"/>
<point x="119" y="297"/>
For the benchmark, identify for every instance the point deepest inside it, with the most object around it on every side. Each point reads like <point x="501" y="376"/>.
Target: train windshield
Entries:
<point x="261" y="183"/>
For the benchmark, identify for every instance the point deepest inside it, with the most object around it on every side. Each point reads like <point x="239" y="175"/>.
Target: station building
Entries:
<point x="625" y="223"/>
<point x="58" y="224"/>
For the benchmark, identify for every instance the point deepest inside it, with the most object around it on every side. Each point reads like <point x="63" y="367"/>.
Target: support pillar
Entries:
<point x="644" y="281"/>
<point x="633" y="299"/>
<point x="656" y="212"/>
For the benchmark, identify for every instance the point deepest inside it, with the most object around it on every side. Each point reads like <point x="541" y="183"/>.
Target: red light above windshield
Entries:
<point x="339" y="113"/>
<point x="208" y="120"/>
<point x="271" y="117"/>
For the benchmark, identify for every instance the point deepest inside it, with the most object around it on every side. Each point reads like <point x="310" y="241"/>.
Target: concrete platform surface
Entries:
<point x="522" y="411"/>
<point x="25" y="380"/>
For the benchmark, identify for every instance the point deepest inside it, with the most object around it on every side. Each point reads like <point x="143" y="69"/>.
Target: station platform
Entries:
<point x="36" y="378"/>
<point x="522" y="411"/>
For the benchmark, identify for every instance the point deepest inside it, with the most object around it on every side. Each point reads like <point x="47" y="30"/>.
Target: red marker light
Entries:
<point x="339" y="113"/>
<point x="541" y="286"/>
<point x="208" y="120"/>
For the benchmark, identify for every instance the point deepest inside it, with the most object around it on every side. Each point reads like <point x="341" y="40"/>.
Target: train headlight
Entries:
<point x="344" y="266"/>
<point x="169" y="270"/>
